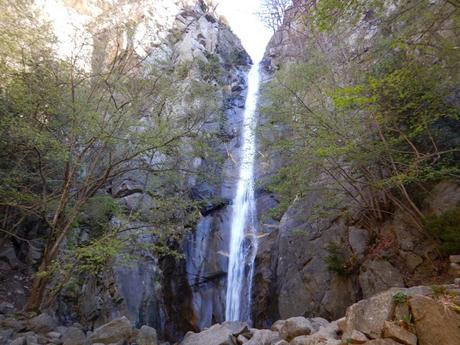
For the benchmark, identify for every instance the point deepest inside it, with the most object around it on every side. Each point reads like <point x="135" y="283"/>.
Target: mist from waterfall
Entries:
<point x="243" y="243"/>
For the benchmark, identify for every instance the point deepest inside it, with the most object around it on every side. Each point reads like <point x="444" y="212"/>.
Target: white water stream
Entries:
<point x="243" y="243"/>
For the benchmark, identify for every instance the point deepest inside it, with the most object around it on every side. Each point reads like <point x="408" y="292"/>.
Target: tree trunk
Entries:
<point x="38" y="287"/>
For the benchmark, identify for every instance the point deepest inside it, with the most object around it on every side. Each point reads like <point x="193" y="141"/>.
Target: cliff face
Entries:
<point x="294" y="265"/>
<point x="172" y="294"/>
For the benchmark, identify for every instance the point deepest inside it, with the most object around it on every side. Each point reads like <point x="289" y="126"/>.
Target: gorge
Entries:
<point x="171" y="172"/>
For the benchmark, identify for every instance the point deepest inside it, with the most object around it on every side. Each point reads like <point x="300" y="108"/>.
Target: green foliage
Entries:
<point x="94" y="257"/>
<point x="336" y="260"/>
<point x="75" y="126"/>
<point x="367" y="129"/>
<point x="446" y="228"/>
<point x="400" y="298"/>
<point x="211" y="70"/>
<point x="408" y="320"/>
<point x="439" y="290"/>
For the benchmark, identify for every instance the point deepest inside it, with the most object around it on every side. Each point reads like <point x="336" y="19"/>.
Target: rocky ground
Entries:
<point x="399" y="316"/>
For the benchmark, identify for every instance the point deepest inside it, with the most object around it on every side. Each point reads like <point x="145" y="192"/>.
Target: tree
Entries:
<point x="372" y="126"/>
<point x="69" y="132"/>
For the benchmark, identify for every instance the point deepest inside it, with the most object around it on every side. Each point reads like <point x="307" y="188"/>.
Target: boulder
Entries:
<point x="281" y="342"/>
<point x="42" y="323"/>
<point x="218" y="334"/>
<point x="18" y="341"/>
<point x="13" y="324"/>
<point x="264" y="337"/>
<point x="294" y="327"/>
<point x="382" y="342"/>
<point x="435" y="322"/>
<point x="115" y="331"/>
<point x="73" y="336"/>
<point x="277" y="325"/>
<point x="53" y="334"/>
<point x="377" y="276"/>
<point x="314" y="339"/>
<point x="401" y="335"/>
<point x="368" y="316"/>
<point x="147" y="336"/>
<point x="357" y="337"/>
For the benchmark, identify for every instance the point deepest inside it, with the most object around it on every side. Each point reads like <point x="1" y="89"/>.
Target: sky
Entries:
<point x="244" y="22"/>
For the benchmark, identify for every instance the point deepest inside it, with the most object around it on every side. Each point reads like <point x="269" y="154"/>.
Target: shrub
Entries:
<point x="400" y="298"/>
<point x="336" y="260"/>
<point x="446" y="228"/>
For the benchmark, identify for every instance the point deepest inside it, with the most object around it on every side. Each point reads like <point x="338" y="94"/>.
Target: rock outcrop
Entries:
<point x="319" y="265"/>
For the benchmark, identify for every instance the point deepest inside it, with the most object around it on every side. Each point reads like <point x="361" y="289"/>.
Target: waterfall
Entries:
<point x="243" y="244"/>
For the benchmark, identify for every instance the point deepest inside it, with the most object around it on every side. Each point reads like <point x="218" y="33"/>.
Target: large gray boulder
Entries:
<point x="117" y="330"/>
<point x="295" y="326"/>
<point x="218" y="334"/>
<point x="42" y="323"/>
<point x="264" y="337"/>
<point x="147" y="336"/>
<point x="377" y="276"/>
<point x="368" y="316"/>
<point x="73" y="336"/>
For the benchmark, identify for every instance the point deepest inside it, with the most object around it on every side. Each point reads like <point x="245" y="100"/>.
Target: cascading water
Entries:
<point x="243" y="244"/>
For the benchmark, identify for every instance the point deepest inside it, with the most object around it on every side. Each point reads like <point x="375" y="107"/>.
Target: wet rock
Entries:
<point x="377" y="276"/>
<point x="147" y="336"/>
<point x="435" y="323"/>
<point x="395" y="332"/>
<point x="217" y="334"/>
<point x="42" y="323"/>
<point x="116" y="330"/>
<point x="74" y="336"/>
<point x="294" y="327"/>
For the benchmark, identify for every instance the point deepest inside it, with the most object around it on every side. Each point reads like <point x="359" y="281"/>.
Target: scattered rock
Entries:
<point x="116" y="330"/>
<point x="281" y="342"/>
<point x="277" y="325"/>
<point x="264" y="337"/>
<point x="314" y="339"/>
<point x="435" y="323"/>
<point x="74" y="336"/>
<point x="357" y="337"/>
<point x="294" y="327"/>
<point x="13" y="324"/>
<point x="242" y="339"/>
<point x="382" y="342"/>
<point x="217" y="334"/>
<point x="18" y="341"/>
<point x="147" y="336"/>
<point x="53" y="334"/>
<point x="368" y="316"/>
<point x="42" y="323"/>
<point x="395" y="332"/>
